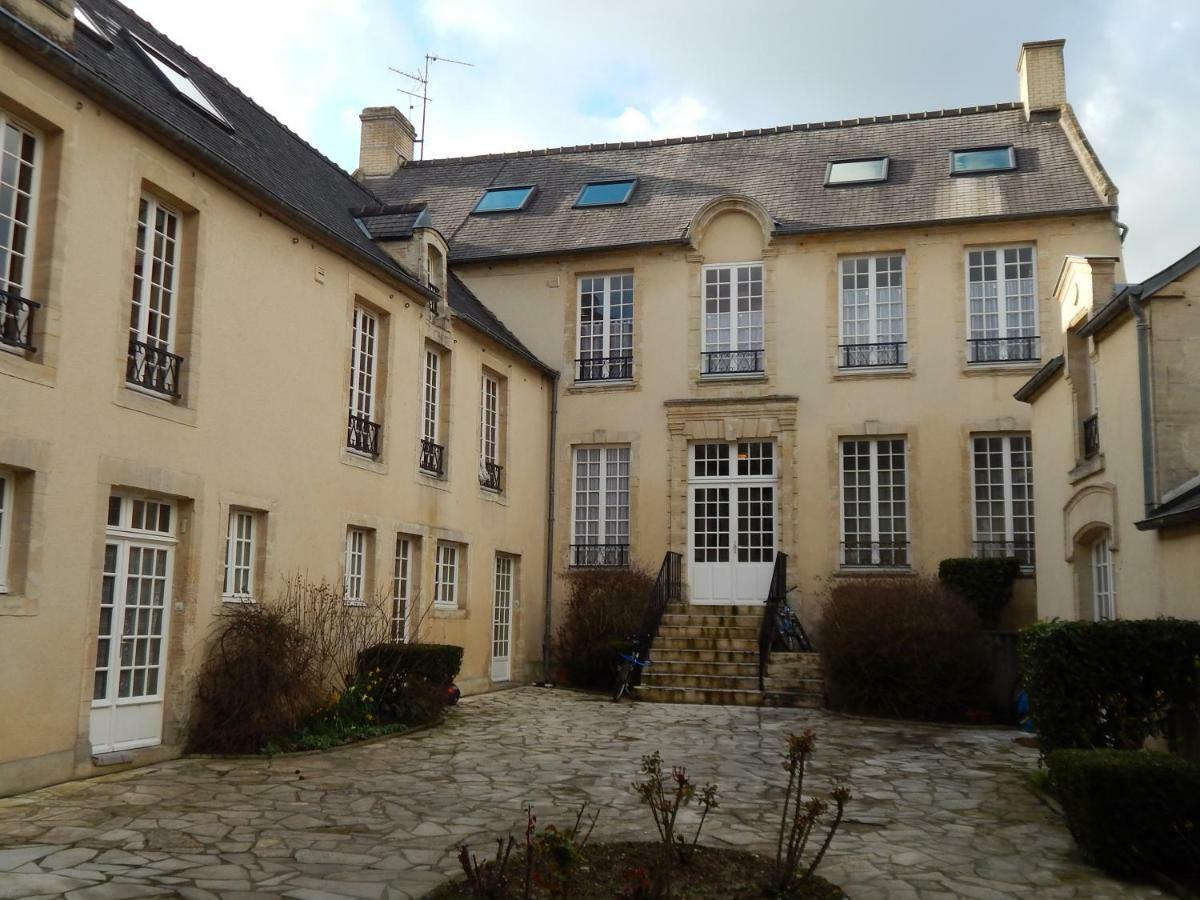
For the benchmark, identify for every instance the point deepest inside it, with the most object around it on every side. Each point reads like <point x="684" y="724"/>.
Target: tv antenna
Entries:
<point x="420" y="80"/>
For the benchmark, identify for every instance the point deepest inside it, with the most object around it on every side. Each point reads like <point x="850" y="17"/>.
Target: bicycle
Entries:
<point x="630" y="663"/>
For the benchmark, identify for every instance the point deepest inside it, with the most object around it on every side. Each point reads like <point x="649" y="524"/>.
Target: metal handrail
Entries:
<point x="781" y="628"/>
<point x="489" y="475"/>
<point x="599" y="556"/>
<point x="668" y="586"/>
<point x="618" y="367"/>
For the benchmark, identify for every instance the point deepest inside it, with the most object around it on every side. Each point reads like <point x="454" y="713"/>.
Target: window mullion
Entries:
<point x="1007" y="473"/>
<point x="872" y="302"/>
<point x="873" y="470"/>
<point x="147" y="248"/>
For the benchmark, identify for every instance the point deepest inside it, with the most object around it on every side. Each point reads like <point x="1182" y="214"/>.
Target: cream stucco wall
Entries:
<point x="802" y="399"/>
<point x="265" y="326"/>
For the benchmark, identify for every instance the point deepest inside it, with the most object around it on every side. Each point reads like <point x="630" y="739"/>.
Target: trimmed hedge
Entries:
<point x="1109" y="684"/>
<point x="1132" y="813"/>
<point x="986" y="584"/>
<point x="408" y="676"/>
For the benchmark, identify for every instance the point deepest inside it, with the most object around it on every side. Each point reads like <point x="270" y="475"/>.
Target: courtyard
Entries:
<point x="937" y="811"/>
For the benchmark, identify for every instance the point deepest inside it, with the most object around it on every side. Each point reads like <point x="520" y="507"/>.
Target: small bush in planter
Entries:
<point x="1132" y="812"/>
<point x="986" y="584"/>
<point x="409" y="682"/>
<point x="905" y="647"/>
<point x="604" y="608"/>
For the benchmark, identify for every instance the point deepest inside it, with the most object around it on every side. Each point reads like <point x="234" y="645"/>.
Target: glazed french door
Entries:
<point x="502" y="603"/>
<point x="733" y="520"/>
<point x="135" y="604"/>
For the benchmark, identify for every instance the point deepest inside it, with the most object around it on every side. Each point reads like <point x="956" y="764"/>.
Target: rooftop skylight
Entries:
<point x="504" y="199"/>
<point x="857" y="171"/>
<point x="982" y="159"/>
<point x="181" y="81"/>
<point x="606" y="193"/>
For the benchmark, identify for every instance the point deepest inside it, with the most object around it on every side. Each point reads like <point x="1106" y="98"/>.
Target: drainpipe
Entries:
<point x="549" y="576"/>
<point x="1143" y="346"/>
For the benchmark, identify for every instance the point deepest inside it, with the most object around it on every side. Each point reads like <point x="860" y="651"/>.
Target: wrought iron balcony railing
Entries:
<point x="16" y="321"/>
<point x="153" y="368"/>
<point x="870" y="356"/>
<point x="874" y="554"/>
<point x="1000" y="548"/>
<point x="604" y="368"/>
<point x="1004" y="349"/>
<point x="433" y="457"/>
<point x="435" y="302"/>
<point x="489" y="475"/>
<point x="1091" y="436"/>
<point x="731" y="362"/>
<point x="362" y="435"/>
<point x="599" y="556"/>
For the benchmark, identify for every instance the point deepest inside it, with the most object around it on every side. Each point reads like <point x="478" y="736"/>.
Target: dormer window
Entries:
<point x="978" y="160"/>
<point x="180" y="81"/>
<point x="435" y="268"/>
<point x="857" y="171"/>
<point x="504" y="199"/>
<point x="607" y="193"/>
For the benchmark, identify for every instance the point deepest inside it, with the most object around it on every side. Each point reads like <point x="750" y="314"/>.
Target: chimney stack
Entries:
<point x="53" y="18"/>
<point x="1042" y="77"/>
<point x="386" y="143"/>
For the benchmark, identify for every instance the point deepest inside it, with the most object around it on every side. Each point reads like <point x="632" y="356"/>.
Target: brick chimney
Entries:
<point x="54" y="18"/>
<point x="1042" y="77"/>
<point x="386" y="143"/>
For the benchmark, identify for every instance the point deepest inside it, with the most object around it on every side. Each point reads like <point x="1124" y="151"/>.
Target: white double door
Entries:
<point x="732" y="521"/>
<point x="502" y="610"/>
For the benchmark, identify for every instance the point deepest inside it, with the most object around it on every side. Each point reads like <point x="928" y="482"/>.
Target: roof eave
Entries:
<point x="1028" y="392"/>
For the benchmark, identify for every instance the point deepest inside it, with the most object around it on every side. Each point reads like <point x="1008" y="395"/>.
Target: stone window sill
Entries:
<point x="1085" y="468"/>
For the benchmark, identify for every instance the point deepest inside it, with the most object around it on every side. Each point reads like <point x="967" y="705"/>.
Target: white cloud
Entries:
<point x="671" y="118"/>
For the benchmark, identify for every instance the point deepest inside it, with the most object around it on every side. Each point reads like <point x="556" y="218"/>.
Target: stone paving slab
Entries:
<point x="938" y="811"/>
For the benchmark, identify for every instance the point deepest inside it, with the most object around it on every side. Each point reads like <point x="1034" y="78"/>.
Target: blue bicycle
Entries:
<point x="630" y="663"/>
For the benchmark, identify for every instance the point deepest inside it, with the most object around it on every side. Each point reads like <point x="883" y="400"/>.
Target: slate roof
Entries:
<point x="1118" y="305"/>
<point x="256" y="151"/>
<point x="1183" y="510"/>
<point x="470" y="308"/>
<point x="782" y="168"/>
<point x="395" y="222"/>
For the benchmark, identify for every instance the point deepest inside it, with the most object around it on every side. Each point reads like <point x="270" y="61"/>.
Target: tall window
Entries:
<point x="6" y="512"/>
<point x="153" y="308"/>
<point x="18" y="168"/>
<point x="239" y="556"/>
<point x="401" y="588"/>
<point x="1104" y="593"/>
<point x="446" y="575"/>
<point x="432" y="453"/>
<point x="489" y="433"/>
<point x="872" y="299"/>
<point x="356" y="566"/>
<point x="1003" y="466"/>
<point x="1003" y="306"/>
<point x="733" y="320"/>
<point x="605" y="328"/>
<point x="874" y="503"/>
<point x="600" y="535"/>
<point x="363" y="432"/>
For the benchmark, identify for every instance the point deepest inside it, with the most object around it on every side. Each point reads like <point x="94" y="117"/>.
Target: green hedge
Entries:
<point x="986" y="584"/>
<point x="1109" y="684"/>
<point x="1132" y="813"/>
<point x="410" y="680"/>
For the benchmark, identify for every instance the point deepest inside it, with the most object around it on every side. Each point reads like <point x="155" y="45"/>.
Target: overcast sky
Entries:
<point x="553" y="72"/>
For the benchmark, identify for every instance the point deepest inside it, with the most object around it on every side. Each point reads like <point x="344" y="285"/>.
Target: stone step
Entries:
<point x="743" y="645"/>
<point x="719" y="697"/>
<point x="702" y="667"/>
<point x="685" y="654"/>
<point x="705" y="609"/>
<point x="746" y="621"/>
<point x="720" y="633"/>
<point x="663" y="679"/>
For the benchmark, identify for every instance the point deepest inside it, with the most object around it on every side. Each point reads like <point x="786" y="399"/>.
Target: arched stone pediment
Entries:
<point x="1091" y="509"/>
<point x="714" y="209"/>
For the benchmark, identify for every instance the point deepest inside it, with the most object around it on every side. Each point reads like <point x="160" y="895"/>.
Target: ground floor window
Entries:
<point x="874" y="503"/>
<point x="1003" y="488"/>
<point x="1104" y="595"/>
<point x="355" y="578"/>
<point x="446" y="575"/>
<point x="239" y="556"/>
<point x="402" y="578"/>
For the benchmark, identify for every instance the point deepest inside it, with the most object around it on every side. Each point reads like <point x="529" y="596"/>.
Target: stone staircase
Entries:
<point x="709" y="654"/>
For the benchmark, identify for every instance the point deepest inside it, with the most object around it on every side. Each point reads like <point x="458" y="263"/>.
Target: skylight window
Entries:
<point x="982" y="159"/>
<point x="504" y="199"/>
<point x="607" y="193"/>
<point x="181" y="81"/>
<point x="857" y="171"/>
<point x="84" y="18"/>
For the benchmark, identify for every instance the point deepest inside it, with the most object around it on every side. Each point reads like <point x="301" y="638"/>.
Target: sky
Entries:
<point x="548" y="73"/>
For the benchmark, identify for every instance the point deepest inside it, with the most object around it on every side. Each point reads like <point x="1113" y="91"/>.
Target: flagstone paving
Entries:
<point x="938" y="811"/>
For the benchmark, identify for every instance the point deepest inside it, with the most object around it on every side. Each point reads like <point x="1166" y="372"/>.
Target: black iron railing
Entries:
<point x="433" y="457"/>
<point x="668" y="586"/>
<point x="869" y="356"/>
<point x="489" y="475"/>
<point x="362" y="435"/>
<point x="731" y="362"/>
<point x="999" y="548"/>
<point x="1091" y="436"/>
<point x="604" y="368"/>
<point x="780" y="629"/>
<point x="874" y="554"/>
<point x="1004" y="349"/>
<point x="434" y="302"/>
<point x="153" y="368"/>
<point x="599" y="556"/>
<point x="16" y="321"/>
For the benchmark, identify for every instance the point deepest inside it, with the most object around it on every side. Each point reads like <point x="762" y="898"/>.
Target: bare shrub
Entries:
<point x="902" y="647"/>
<point x="604" y="609"/>
<point x="805" y="815"/>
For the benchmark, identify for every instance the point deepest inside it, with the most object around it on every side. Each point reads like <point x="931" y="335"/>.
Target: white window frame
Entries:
<point x="355" y="564"/>
<point x="431" y="400"/>
<point x="240" y="534"/>
<point x="1010" y="537"/>
<point x="874" y="335"/>
<point x="1005" y="302"/>
<point x="22" y="287"/>
<point x="447" y="572"/>
<point x="143" y="284"/>
<point x="1104" y="582"/>
<point x="875" y="543"/>
<point x="7" y="510"/>
<point x="740" y="336"/>
<point x="489" y="419"/>
<point x="402" y="577"/>
<point x="613" y="283"/>
<point x="364" y="361"/>
<point x="610" y="483"/>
